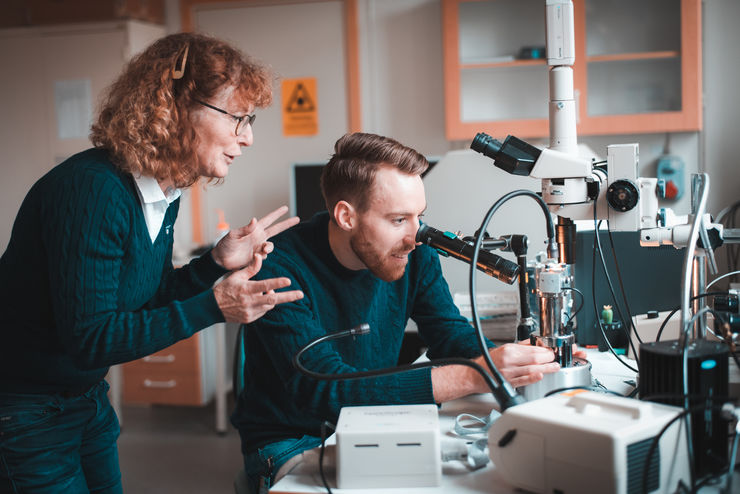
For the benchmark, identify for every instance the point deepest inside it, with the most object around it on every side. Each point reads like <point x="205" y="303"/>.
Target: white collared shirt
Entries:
<point x="154" y="202"/>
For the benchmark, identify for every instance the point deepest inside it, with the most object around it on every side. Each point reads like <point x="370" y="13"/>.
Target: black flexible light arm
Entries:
<point x="505" y="394"/>
<point x="364" y="328"/>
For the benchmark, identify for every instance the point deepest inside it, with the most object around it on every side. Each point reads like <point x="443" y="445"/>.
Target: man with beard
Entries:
<point x="357" y="263"/>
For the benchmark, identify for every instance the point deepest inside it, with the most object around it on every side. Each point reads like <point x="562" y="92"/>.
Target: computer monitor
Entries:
<point x="651" y="276"/>
<point x="305" y="191"/>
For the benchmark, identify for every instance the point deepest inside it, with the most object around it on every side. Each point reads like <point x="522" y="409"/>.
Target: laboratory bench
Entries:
<point x="457" y="477"/>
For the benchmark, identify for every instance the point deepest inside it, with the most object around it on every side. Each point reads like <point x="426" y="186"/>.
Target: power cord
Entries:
<point x="683" y="414"/>
<point x="597" y="246"/>
<point x="673" y="312"/>
<point x="324" y="425"/>
<point x="364" y="328"/>
<point x="621" y="287"/>
<point x="583" y="300"/>
<point x="593" y="299"/>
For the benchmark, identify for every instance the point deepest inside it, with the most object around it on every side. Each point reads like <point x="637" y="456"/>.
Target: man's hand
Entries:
<point x="240" y="247"/>
<point x="520" y="364"/>
<point x="242" y="300"/>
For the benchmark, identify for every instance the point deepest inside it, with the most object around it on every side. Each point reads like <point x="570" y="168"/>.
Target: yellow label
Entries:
<point x="300" y="107"/>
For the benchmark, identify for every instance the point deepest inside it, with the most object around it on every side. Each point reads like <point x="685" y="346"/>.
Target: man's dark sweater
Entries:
<point x="278" y="402"/>
<point x="83" y="287"/>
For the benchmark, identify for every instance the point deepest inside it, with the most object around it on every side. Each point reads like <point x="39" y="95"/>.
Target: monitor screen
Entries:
<point x="651" y="276"/>
<point x="305" y="191"/>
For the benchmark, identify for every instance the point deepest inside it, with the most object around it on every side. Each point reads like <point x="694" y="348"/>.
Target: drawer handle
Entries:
<point x="160" y="359"/>
<point x="148" y="383"/>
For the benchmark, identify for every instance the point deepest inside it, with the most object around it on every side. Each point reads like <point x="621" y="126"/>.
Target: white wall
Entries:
<point x="401" y="92"/>
<point x="721" y="37"/>
<point x="32" y="60"/>
<point x="297" y="40"/>
<point x="401" y="72"/>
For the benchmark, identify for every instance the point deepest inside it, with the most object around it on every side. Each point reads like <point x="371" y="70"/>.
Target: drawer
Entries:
<point x="164" y="388"/>
<point x="182" y="357"/>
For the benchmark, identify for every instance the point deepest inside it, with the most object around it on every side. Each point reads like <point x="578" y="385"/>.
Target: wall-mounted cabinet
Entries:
<point x="637" y="68"/>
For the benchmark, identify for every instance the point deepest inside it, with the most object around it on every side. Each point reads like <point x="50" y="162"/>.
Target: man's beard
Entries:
<point x="381" y="265"/>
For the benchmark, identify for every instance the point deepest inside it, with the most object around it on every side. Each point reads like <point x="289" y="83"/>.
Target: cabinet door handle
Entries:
<point x="148" y="383"/>
<point x="160" y="359"/>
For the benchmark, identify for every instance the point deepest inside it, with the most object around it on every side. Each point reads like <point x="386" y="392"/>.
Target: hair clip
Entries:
<point x="182" y="58"/>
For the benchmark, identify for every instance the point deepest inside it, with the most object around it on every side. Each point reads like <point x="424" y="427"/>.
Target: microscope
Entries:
<point x="580" y="440"/>
<point x="576" y="189"/>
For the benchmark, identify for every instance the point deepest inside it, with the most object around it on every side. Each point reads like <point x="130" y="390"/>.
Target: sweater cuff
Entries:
<point x="206" y="269"/>
<point x="206" y="312"/>
<point x="416" y="386"/>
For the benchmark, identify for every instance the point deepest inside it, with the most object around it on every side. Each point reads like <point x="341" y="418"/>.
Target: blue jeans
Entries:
<point x="59" y="443"/>
<point x="262" y="465"/>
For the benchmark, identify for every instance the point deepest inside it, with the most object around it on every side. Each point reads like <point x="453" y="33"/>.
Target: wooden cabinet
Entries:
<point x="182" y="374"/>
<point x="46" y="12"/>
<point x="637" y="67"/>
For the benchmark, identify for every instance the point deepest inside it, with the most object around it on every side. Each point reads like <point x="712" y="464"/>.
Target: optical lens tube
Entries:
<point x="448" y="244"/>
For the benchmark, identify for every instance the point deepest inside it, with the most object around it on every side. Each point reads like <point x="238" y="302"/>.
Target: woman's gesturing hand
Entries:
<point x="242" y="300"/>
<point x="240" y="247"/>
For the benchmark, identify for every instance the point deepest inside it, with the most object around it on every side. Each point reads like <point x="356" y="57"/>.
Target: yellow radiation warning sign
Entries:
<point x="300" y="107"/>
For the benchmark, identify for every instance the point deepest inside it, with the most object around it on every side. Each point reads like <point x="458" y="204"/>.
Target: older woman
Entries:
<point x="87" y="279"/>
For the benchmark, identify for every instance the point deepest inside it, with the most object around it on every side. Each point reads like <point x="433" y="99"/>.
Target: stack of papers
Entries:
<point x="498" y="313"/>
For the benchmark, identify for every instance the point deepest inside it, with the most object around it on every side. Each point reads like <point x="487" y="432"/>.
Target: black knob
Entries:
<point x="622" y="195"/>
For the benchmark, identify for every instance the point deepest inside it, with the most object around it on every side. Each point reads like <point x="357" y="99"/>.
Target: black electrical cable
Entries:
<point x="512" y="396"/>
<point x="597" y="243"/>
<point x="324" y="425"/>
<point x="621" y="287"/>
<point x="655" y="440"/>
<point x="665" y="321"/>
<point x="593" y="299"/>
<point x="583" y="302"/>
<point x="720" y="400"/>
<point x="654" y="443"/>
<point x="364" y="329"/>
<point x="614" y="296"/>
<point x="685" y="383"/>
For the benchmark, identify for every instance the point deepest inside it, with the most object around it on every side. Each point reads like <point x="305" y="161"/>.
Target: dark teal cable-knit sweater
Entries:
<point x="277" y="401"/>
<point x="82" y="287"/>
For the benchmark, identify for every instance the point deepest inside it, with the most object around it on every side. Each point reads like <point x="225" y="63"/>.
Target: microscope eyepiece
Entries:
<point x="448" y="244"/>
<point x="513" y="155"/>
<point x="486" y="145"/>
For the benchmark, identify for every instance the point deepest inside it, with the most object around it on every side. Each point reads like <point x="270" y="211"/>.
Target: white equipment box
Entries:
<point x="388" y="446"/>
<point x="647" y="327"/>
<point x="582" y="441"/>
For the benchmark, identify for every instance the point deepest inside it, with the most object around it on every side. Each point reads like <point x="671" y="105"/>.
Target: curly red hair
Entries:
<point x="145" y="118"/>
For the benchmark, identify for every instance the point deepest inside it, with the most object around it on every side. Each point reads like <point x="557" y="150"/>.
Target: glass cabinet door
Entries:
<point x="638" y="65"/>
<point x="637" y="68"/>
<point x="497" y="76"/>
<point x="633" y="56"/>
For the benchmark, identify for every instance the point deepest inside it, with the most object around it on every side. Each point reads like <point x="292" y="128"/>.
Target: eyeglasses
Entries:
<point x="241" y="122"/>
